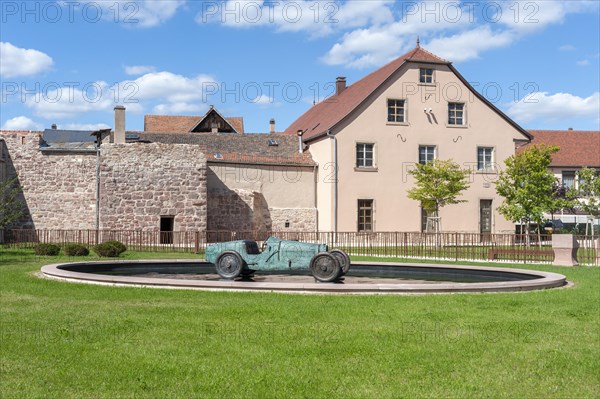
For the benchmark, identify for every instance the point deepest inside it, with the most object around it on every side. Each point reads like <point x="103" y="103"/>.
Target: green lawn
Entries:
<point x="69" y="340"/>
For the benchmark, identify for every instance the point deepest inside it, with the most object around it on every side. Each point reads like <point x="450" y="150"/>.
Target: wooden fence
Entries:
<point x="442" y="246"/>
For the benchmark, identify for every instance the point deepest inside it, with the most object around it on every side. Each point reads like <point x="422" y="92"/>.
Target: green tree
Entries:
<point x="526" y="185"/>
<point x="563" y="198"/>
<point x="589" y="190"/>
<point x="438" y="183"/>
<point x="11" y="207"/>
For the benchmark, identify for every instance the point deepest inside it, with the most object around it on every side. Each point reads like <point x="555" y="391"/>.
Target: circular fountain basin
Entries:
<point x="363" y="278"/>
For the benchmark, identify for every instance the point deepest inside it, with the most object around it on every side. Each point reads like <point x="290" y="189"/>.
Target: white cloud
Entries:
<point x="469" y="44"/>
<point x="174" y="94"/>
<point x="167" y="85"/>
<point x="567" y="47"/>
<point x="135" y="14"/>
<point x="583" y="62"/>
<point x="84" y="126"/>
<point x="137" y="70"/>
<point x="452" y="34"/>
<point x="554" y="107"/>
<point x="65" y="102"/>
<point x="15" y="61"/>
<point x="315" y="17"/>
<point x="21" y="123"/>
<point x="263" y="99"/>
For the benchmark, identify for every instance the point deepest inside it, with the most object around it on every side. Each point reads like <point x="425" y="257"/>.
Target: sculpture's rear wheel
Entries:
<point x="325" y="267"/>
<point x="343" y="259"/>
<point x="229" y="265"/>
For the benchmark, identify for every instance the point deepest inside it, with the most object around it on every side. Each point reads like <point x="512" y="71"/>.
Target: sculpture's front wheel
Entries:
<point x="325" y="267"/>
<point x="229" y="265"/>
<point x="343" y="259"/>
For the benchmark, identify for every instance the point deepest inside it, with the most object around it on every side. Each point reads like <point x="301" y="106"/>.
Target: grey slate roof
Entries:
<point x="67" y="136"/>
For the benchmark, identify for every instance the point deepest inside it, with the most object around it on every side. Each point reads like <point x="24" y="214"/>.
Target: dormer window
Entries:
<point x="396" y="111"/>
<point x="425" y="75"/>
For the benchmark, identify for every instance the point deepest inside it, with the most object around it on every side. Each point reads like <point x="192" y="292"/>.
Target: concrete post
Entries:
<point x="565" y="249"/>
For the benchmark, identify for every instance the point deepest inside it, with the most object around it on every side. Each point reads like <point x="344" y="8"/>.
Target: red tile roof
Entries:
<point x="324" y="116"/>
<point x="182" y="124"/>
<point x="578" y="148"/>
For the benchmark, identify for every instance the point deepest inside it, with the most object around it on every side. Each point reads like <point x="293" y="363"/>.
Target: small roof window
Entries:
<point x="272" y="143"/>
<point x="218" y="155"/>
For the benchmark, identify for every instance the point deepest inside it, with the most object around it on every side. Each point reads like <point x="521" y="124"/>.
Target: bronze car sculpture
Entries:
<point x="242" y="258"/>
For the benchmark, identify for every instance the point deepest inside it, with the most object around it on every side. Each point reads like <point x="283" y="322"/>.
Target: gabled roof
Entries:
<point x="185" y="124"/>
<point x="239" y="148"/>
<point x="327" y="114"/>
<point x="578" y="148"/>
<point x="212" y="115"/>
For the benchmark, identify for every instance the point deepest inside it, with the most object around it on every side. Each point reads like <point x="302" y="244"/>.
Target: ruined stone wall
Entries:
<point x="139" y="184"/>
<point x="142" y="182"/>
<point x="58" y="188"/>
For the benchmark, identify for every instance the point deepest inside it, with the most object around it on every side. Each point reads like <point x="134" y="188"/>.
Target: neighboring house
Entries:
<point x="578" y="148"/>
<point x="212" y="122"/>
<point x="367" y="136"/>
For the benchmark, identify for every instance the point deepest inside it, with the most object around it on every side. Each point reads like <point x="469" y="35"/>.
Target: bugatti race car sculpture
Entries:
<point x="242" y="258"/>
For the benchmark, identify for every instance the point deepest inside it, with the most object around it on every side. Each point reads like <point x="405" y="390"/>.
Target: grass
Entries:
<point x="83" y="341"/>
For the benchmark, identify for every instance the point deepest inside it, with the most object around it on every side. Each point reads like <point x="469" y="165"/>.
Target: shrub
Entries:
<point x="110" y="249"/>
<point x="76" y="250"/>
<point x="46" y="249"/>
<point x="117" y="244"/>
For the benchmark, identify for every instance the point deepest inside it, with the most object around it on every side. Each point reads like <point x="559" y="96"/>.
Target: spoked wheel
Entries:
<point x="229" y="265"/>
<point x="325" y="267"/>
<point x="343" y="259"/>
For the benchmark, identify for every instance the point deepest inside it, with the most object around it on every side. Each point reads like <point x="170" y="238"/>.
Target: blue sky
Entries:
<point x="70" y="63"/>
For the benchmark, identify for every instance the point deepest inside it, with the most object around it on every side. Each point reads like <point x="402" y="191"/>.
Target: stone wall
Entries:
<point x="299" y="219"/>
<point x="58" y="188"/>
<point x="139" y="183"/>
<point x="142" y="182"/>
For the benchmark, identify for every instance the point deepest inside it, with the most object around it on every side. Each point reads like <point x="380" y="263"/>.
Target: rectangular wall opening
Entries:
<point x="167" y="224"/>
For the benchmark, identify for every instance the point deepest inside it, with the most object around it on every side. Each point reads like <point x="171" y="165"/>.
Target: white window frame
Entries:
<point x="404" y="111"/>
<point x="427" y="147"/>
<point x="364" y="156"/>
<point x="464" y="114"/>
<point x="484" y="163"/>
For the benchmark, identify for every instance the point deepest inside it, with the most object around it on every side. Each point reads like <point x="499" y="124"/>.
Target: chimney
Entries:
<point x="272" y="125"/>
<point x="54" y="127"/>
<point x="119" y="137"/>
<point x="340" y="85"/>
<point x="300" y="146"/>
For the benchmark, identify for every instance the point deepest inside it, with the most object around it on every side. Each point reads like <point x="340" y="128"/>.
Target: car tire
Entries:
<point x="343" y="259"/>
<point x="325" y="267"/>
<point x="229" y="265"/>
